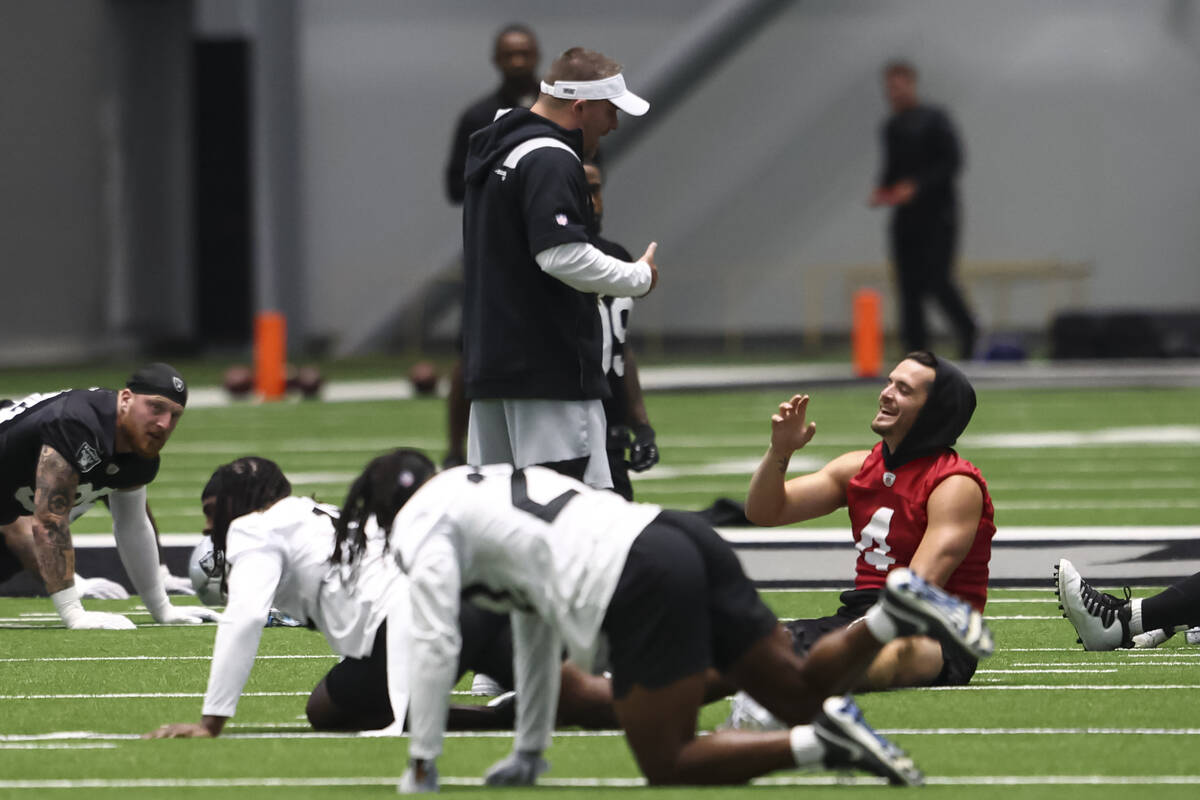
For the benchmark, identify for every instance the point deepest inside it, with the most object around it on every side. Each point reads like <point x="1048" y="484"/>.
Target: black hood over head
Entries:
<point x="489" y="145"/>
<point x="942" y="419"/>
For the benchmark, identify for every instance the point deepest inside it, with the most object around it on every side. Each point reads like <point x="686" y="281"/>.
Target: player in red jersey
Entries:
<point x="913" y="502"/>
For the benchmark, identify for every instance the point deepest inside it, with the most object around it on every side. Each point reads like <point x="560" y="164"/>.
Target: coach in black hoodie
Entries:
<point x="531" y="334"/>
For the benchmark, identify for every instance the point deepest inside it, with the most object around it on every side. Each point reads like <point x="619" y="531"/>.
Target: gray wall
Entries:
<point x="1078" y="116"/>
<point x="53" y="247"/>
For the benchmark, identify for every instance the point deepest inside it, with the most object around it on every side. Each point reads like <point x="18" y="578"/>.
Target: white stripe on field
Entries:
<point x="1111" y="664"/>
<point x="164" y="695"/>
<point x="148" y="658"/>
<point x="64" y="746"/>
<point x="1042" y="671"/>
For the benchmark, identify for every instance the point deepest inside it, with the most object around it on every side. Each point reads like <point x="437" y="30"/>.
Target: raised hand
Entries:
<point x="789" y="431"/>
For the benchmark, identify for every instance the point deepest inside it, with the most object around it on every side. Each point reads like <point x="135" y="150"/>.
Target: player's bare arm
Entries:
<point x="774" y="500"/>
<point x="53" y="497"/>
<point x="954" y="510"/>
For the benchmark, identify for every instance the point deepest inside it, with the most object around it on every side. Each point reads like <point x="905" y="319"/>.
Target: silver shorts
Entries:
<point x="527" y="432"/>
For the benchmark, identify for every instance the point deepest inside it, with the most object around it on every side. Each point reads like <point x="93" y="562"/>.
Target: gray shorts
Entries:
<point x="528" y="432"/>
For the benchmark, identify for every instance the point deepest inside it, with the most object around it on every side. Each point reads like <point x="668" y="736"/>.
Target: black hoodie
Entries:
<point x="942" y="419"/>
<point x="525" y="333"/>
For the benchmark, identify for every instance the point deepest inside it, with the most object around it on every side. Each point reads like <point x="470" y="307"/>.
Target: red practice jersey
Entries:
<point x="888" y="518"/>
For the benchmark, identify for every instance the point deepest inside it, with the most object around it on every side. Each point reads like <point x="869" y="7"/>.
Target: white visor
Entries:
<point x="611" y="89"/>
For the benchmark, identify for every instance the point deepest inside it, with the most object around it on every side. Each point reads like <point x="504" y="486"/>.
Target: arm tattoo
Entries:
<point x="53" y="498"/>
<point x="782" y="464"/>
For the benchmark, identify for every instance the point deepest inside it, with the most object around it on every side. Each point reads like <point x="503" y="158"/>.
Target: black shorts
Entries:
<point x="957" y="667"/>
<point x="360" y="684"/>
<point x="683" y="604"/>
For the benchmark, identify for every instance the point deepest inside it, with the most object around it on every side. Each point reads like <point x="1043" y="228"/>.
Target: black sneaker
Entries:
<point x="850" y="743"/>
<point x="1101" y="620"/>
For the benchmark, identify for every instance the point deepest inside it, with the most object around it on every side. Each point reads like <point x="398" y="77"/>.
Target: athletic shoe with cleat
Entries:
<point x="850" y="743"/>
<point x="918" y="607"/>
<point x="1101" y="620"/>
<point x="746" y="714"/>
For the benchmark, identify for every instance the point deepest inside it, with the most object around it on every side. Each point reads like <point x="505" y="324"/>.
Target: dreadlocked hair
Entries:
<point x="380" y="491"/>
<point x="241" y="487"/>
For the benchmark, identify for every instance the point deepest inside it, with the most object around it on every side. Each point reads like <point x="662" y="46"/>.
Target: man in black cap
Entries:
<point x="62" y="451"/>
<point x="913" y="502"/>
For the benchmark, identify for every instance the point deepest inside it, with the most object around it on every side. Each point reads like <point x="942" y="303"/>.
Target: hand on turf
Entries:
<point x="184" y="615"/>
<point x="100" y="588"/>
<point x="521" y="768"/>
<point x="648" y="257"/>
<point x="788" y="429"/>
<point x="643" y="454"/>
<point x="99" y="621"/>
<point x="179" y="730"/>
<point x="420" y="777"/>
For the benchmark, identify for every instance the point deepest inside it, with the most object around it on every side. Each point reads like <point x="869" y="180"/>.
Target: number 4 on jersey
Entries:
<point x="872" y="540"/>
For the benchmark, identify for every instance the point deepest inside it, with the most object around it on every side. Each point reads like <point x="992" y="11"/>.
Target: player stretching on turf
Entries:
<point x="59" y="453"/>
<point x="576" y="567"/>
<point x="278" y="549"/>
<point x="913" y="502"/>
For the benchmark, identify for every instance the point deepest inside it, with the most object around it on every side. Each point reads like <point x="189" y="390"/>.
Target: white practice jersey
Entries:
<point x="280" y="557"/>
<point x="538" y="544"/>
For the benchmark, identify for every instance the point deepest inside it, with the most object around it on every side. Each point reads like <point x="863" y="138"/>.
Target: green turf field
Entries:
<point x="1095" y="722"/>
<point x="1039" y="713"/>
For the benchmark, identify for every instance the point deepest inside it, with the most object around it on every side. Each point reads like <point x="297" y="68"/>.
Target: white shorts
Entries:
<point x="527" y="432"/>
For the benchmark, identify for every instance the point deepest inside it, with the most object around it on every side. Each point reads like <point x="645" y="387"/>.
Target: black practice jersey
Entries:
<point x="614" y="322"/>
<point x="81" y="425"/>
<point x="526" y="334"/>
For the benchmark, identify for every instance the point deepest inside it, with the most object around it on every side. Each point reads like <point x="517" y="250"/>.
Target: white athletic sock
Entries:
<point x="806" y="747"/>
<point x="881" y="626"/>
<point x="1135" y="617"/>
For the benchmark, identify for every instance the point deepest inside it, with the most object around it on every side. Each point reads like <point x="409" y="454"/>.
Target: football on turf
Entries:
<point x="239" y="380"/>
<point x="208" y="589"/>
<point x="423" y="376"/>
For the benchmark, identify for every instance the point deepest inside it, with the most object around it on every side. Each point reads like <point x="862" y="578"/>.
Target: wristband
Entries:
<point x="68" y="605"/>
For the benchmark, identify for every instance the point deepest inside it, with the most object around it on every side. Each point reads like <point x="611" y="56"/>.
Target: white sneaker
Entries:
<point x="1193" y="635"/>
<point x="1101" y="620"/>
<point x="486" y="686"/>
<point x="745" y="714"/>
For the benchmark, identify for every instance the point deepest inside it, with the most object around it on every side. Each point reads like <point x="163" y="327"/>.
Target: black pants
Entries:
<point x="923" y="251"/>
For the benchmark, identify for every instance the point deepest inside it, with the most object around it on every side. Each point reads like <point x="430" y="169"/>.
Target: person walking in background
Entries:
<point x="922" y="157"/>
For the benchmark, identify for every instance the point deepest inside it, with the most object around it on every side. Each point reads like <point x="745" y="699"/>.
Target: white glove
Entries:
<point x="409" y="783"/>
<point x="176" y="584"/>
<point x="72" y="613"/>
<point x="521" y="768"/>
<point x="168" y="614"/>
<point x="100" y="588"/>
